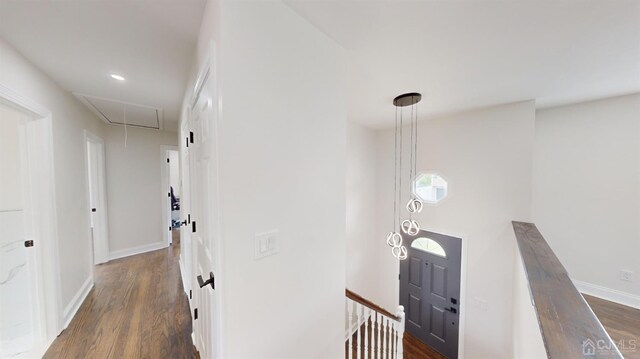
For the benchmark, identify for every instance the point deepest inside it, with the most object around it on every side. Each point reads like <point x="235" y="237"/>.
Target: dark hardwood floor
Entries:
<point x="621" y="322"/>
<point x="137" y="309"/>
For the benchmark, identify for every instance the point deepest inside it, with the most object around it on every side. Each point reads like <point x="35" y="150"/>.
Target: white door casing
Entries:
<point x="97" y="195"/>
<point x="185" y="211"/>
<point x="165" y="184"/>
<point x="204" y="205"/>
<point x="36" y="139"/>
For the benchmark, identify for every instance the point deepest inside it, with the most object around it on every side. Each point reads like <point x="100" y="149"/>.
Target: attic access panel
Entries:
<point x="116" y="112"/>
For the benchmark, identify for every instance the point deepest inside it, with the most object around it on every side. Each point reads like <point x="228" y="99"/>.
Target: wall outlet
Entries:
<point x="626" y="275"/>
<point x="265" y="244"/>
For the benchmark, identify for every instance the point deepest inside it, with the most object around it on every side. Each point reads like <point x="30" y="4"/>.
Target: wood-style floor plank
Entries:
<point x="137" y="309"/>
<point x="621" y="322"/>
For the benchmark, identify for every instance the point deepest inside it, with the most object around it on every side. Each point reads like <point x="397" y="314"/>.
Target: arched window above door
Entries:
<point x="429" y="245"/>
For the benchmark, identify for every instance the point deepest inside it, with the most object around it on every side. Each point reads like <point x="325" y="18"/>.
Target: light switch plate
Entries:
<point x="266" y="244"/>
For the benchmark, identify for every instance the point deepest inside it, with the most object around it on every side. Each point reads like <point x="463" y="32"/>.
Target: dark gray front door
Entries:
<point x="430" y="290"/>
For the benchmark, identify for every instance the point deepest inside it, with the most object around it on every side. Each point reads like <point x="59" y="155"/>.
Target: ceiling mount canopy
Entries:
<point x="407" y="99"/>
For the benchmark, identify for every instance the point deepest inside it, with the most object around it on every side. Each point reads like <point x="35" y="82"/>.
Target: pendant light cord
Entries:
<point x="124" y="110"/>
<point x="400" y="166"/>
<point x="395" y="175"/>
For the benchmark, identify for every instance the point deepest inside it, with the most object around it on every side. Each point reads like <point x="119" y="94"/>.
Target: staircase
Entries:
<point x="372" y="332"/>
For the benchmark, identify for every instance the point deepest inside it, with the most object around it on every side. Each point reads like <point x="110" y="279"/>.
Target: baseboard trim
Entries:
<point x="611" y="295"/>
<point x="72" y="308"/>
<point x="136" y="250"/>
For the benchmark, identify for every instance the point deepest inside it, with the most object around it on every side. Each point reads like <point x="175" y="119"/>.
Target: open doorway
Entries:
<point x="97" y="194"/>
<point x="28" y="229"/>
<point x="171" y="184"/>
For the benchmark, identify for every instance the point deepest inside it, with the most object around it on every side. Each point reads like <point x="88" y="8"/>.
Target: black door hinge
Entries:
<point x="168" y="194"/>
<point x="195" y="314"/>
<point x="193" y="226"/>
<point x="168" y="160"/>
<point x="190" y="294"/>
<point x="191" y="136"/>
<point x="187" y="141"/>
<point x="189" y="218"/>
<point x="28" y="243"/>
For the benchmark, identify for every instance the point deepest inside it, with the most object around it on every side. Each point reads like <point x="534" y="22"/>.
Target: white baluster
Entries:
<point x="366" y="312"/>
<point x="358" y="321"/>
<point x="400" y="331"/>
<point x="384" y="337"/>
<point x="394" y="336"/>
<point x="392" y="324"/>
<point x="350" y="314"/>
<point x="379" y="336"/>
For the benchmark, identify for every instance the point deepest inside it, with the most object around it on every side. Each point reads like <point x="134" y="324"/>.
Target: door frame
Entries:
<point x="101" y="250"/>
<point x="208" y="72"/>
<point x="41" y="209"/>
<point x="164" y="184"/>
<point x="462" y="318"/>
<point x="185" y="209"/>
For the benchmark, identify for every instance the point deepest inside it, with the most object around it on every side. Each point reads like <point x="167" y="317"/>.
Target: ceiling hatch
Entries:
<point x="116" y="112"/>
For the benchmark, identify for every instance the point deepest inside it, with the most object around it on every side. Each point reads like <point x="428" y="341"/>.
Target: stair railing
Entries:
<point x="372" y="331"/>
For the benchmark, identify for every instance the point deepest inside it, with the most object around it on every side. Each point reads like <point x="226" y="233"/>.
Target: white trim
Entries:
<point x="45" y="223"/>
<point x="101" y="248"/>
<point x="84" y="98"/>
<point x="165" y="174"/>
<point x="612" y="295"/>
<point x="136" y="250"/>
<point x="77" y="300"/>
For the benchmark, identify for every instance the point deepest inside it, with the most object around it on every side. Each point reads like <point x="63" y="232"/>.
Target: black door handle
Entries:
<point x="211" y="281"/>
<point x="452" y="310"/>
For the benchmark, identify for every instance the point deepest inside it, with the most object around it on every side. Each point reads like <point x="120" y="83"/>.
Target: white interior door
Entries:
<point x="185" y="211"/>
<point x="204" y="217"/>
<point x="19" y="327"/>
<point x="97" y="198"/>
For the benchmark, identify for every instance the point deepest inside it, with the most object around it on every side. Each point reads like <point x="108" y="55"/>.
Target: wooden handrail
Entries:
<point x="369" y="304"/>
<point x="566" y="320"/>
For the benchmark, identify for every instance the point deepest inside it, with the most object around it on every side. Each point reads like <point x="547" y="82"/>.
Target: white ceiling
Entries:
<point x="79" y="43"/>
<point x="467" y="54"/>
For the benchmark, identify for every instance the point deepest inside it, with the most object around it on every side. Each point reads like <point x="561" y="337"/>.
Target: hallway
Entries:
<point x="137" y="309"/>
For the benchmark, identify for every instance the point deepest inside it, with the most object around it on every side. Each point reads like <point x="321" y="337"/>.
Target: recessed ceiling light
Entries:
<point x="117" y="77"/>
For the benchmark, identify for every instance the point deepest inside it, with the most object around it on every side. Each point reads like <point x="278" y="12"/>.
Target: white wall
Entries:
<point x="527" y="338"/>
<point x="10" y="176"/>
<point x="586" y="191"/>
<point x="362" y="252"/>
<point x="486" y="155"/>
<point x="282" y="165"/>
<point x="134" y="191"/>
<point x="70" y="119"/>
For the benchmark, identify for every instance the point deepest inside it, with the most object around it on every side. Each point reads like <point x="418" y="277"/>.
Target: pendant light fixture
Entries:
<point x="409" y="226"/>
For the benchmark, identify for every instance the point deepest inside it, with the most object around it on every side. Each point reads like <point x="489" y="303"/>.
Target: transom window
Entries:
<point x="429" y="245"/>
<point x="430" y="187"/>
